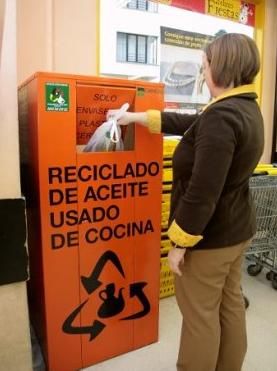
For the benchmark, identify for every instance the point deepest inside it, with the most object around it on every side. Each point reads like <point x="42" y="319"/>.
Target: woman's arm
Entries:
<point x="176" y="123"/>
<point x="130" y="117"/>
<point x="157" y="121"/>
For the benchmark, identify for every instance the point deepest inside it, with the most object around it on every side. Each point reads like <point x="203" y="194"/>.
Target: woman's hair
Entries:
<point x="233" y="58"/>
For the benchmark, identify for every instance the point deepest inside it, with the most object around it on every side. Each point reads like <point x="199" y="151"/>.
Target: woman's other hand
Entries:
<point x="176" y="259"/>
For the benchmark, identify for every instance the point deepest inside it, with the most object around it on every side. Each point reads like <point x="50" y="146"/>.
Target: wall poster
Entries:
<point x="181" y="68"/>
<point x="236" y="10"/>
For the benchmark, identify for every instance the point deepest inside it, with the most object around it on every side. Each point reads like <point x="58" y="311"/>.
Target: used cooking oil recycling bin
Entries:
<point x="93" y="219"/>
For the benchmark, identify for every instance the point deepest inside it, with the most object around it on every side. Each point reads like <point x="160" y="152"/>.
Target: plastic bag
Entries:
<point x="107" y="137"/>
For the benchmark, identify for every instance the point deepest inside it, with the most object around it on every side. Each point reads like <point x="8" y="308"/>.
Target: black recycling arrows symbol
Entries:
<point x="136" y="289"/>
<point x="91" y="283"/>
<point x="93" y="330"/>
<point x="112" y="304"/>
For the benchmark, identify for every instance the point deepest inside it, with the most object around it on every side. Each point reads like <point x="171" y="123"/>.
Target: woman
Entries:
<point x="212" y="217"/>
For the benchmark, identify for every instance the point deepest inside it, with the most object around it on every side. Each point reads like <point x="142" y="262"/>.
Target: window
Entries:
<point x="136" y="48"/>
<point x="144" y="5"/>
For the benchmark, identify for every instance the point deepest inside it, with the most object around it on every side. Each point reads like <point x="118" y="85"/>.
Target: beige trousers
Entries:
<point x="209" y="296"/>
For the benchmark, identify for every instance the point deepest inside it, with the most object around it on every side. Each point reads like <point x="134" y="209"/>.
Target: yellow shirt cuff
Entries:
<point x="154" y="121"/>
<point x="180" y="237"/>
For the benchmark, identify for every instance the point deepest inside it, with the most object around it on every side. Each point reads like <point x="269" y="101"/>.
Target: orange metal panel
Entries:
<point x="59" y="242"/>
<point x="106" y="257"/>
<point x="98" y="249"/>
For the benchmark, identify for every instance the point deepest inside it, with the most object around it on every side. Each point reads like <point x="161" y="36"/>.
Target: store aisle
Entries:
<point x="262" y="334"/>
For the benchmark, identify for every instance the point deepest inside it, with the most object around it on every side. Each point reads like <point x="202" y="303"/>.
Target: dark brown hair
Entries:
<point x="233" y="58"/>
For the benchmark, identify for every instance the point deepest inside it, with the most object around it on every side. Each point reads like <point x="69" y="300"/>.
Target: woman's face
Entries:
<point x="207" y="74"/>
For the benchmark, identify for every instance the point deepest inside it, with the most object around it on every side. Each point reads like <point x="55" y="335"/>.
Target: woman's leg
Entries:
<point x="233" y="340"/>
<point x="199" y="295"/>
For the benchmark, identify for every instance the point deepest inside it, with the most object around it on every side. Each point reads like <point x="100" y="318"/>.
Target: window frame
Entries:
<point x="137" y="58"/>
<point x="147" y="6"/>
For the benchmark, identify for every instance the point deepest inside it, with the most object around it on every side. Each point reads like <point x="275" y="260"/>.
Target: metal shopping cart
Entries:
<point x="263" y="249"/>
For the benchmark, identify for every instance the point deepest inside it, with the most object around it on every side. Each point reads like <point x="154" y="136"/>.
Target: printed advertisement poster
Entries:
<point x="181" y="66"/>
<point x="234" y="10"/>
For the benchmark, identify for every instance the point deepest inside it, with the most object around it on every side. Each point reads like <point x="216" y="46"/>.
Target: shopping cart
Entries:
<point x="263" y="249"/>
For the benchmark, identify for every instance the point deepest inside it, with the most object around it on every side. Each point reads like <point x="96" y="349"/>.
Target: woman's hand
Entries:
<point x="175" y="259"/>
<point x="126" y="118"/>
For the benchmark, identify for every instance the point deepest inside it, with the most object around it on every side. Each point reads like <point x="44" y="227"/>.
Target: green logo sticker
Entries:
<point x="140" y="92"/>
<point x="57" y="97"/>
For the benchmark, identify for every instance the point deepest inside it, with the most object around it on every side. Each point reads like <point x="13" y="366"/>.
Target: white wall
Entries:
<point x="57" y="36"/>
<point x="9" y="158"/>
<point x="15" y="348"/>
<point x="115" y="17"/>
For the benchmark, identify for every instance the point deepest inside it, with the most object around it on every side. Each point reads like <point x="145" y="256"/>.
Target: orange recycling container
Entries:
<point x="93" y="218"/>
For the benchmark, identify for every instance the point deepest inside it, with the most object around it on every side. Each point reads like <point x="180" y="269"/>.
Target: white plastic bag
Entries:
<point x="107" y="137"/>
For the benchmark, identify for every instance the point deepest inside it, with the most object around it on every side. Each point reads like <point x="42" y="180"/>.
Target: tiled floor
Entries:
<point x="262" y="334"/>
